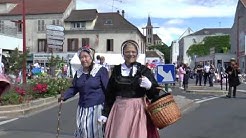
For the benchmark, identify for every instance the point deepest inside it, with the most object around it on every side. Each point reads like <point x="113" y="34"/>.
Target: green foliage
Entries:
<point x="10" y="97"/>
<point x="26" y="92"/>
<point x="16" y="60"/>
<point x="55" y="61"/>
<point x="220" y="43"/>
<point x="164" y="49"/>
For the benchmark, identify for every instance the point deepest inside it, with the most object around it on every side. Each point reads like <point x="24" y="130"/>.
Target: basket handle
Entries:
<point x="160" y="88"/>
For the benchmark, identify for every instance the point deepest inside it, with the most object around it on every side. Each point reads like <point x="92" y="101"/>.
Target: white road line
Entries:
<point x="7" y="121"/>
<point x="243" y="91"/>
<point x="208" y="99"/>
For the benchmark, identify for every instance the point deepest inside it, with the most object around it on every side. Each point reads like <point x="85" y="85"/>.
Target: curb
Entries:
<point x="213" y="92"/>
<point x="11" y="111"/>
<point x="183" y="103"/>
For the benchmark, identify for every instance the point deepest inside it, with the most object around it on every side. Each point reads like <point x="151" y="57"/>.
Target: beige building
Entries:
<point x="103" y="31"/>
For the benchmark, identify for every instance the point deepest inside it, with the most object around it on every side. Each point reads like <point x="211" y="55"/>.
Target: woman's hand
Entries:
<point x="102" y="119"/>
<point x="145" y="83"/>
<point x="60" y="99"/>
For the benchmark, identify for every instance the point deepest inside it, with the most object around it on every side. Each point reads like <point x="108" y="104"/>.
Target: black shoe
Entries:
<point x="228" y="96"/>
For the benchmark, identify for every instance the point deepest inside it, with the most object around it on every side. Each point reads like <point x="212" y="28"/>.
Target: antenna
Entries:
<point x="113" y="4"/>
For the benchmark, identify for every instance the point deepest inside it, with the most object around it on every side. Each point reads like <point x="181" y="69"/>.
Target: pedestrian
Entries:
<point x="206" y="69"/>
<point x="129" y="83"/>
<point x="233" y="70"/>
<point x="98" y="59"/>
<point x="90" y="81"/>
<point x="181" y="73"/>
<point x="211" y="75"/>
<point x="186" y="76"/>
<point x="1" y="68"/>
<point x="104" y="64"/>
<point x="199" y="72"/>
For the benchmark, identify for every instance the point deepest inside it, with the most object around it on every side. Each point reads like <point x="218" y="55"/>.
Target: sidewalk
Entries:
<point x="215" y="90"/>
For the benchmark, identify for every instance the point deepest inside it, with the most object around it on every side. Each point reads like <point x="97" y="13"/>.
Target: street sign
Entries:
<point x="54" y="33"/>
<point x="55" y="37"/>
<point x="166" y="73"/>
<point x="54" y="42"/>
<point x="55" y="28"/>
<point x="54" y="46"/>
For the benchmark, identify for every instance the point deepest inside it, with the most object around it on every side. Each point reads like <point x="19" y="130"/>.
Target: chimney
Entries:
<point x="123" y="13"/>
<point x="118" y="11"/>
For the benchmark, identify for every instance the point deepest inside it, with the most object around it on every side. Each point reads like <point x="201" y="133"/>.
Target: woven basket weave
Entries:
<point x="164" y="111"/>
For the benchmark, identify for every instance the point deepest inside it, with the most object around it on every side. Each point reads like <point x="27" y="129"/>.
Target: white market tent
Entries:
<point x="110" y="59"/>
<point x="10" y="43"/>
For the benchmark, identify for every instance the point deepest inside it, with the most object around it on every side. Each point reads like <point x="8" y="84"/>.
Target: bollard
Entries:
<point x="221" y="78"/>
<point x="226" y="81"/>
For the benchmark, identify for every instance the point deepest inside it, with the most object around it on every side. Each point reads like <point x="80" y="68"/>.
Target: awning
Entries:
<point x="10" y="43"/>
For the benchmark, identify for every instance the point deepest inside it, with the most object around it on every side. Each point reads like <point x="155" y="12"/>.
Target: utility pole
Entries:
<point x="24" y="40"/>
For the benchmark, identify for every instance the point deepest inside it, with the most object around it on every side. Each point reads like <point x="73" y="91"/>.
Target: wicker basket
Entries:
<point x="164" y="111"/>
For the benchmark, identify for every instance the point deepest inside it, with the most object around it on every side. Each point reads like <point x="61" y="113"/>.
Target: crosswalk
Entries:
<point x="208" y="98"/>
<point x="212" y="97"/>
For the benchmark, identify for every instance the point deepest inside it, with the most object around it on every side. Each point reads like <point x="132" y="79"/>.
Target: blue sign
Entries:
<point x="166" y="73"/>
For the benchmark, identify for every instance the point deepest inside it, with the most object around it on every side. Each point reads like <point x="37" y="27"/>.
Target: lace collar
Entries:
<point x="125" y="70"/>
<point x="95" y="69"/>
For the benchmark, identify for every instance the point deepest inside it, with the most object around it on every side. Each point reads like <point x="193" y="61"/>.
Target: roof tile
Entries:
<point x="38" y="6"/>
<point x="82" y="15"/>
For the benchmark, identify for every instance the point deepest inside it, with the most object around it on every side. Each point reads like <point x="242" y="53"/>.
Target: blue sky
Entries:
<point x="172" y="17"/>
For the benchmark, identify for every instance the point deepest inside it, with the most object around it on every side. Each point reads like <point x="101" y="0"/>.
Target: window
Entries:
<point x="109" y="22"/>
<point x="78" y="25"/>
<point x="149" y="31"/>
<point x="149" y="40"/>
<point x="18" y="25"/>
<point x="55" y="22"/>
<point x="72" y="44"/>
<point x="42" y="45"/>
<point x="85" y="41"/>
<point x="110" y="44"/>
<point x="1" y="26"/>
<point x="41" y="25"/>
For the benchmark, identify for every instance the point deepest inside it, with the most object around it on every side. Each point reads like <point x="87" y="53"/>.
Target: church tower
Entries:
<point x="149" y="33"/>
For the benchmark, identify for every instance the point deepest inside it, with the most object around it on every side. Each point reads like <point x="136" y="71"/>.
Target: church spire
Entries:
<point x="149" y="21"/>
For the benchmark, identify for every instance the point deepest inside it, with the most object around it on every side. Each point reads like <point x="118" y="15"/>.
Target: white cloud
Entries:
<point x="167" y="34"/>
<point x="175" y="21"/>
<point x="165" y="8"/>
<point x="175" y="11"/>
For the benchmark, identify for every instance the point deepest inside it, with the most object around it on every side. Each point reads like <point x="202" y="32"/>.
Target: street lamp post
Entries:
<point x="24" y="40"/>
<point x="238" y="17"/>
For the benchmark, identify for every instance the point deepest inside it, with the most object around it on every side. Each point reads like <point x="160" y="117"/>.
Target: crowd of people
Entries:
<point x="200" y="72"/>
<point x="208" y="73"/>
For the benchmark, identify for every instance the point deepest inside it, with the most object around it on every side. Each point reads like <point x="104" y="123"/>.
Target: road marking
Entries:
<point x="243" y="91"/>
<point x="7" y="121"/>
<point x="208" y="99"/>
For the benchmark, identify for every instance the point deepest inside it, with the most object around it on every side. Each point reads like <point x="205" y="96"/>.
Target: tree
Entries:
<point x="164" y="49"/>
<point x="220" y="43"/>
<point x="15" y="60"/>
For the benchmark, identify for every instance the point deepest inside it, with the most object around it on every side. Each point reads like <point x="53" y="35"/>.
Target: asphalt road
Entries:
<point x="214" y="118"/>
<point x="220" y="118"/>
